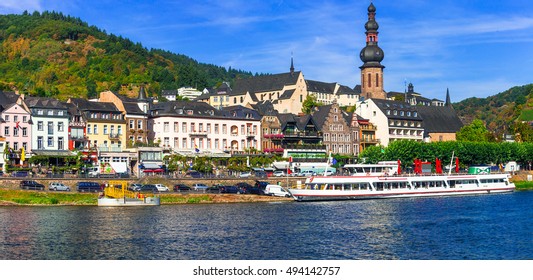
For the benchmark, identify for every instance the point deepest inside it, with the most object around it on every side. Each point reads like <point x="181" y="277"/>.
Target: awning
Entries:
<point x="54" y="153"/>
<point x="158" y="170"/>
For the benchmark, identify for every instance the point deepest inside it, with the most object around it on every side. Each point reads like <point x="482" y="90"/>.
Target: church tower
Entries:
<point x="372" y="55"/>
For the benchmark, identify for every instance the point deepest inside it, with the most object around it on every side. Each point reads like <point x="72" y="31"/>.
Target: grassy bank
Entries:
<point x="524" y="185"/>
<point x="23" y="197"/>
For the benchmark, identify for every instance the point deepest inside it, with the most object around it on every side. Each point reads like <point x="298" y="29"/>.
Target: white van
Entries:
<point x="93" y="171"/>
<point x="276" y="190"/>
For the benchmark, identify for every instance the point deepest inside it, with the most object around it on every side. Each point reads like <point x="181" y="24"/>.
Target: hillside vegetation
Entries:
<point x="50" y="54"/>
<point x="501" y="113"/>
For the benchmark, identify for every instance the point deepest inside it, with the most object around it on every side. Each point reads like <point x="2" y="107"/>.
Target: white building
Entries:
<point x="395" y="120"/>
<point x="197" y="127"/>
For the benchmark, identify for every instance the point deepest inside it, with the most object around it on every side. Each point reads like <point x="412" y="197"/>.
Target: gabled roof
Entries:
<point x="320" y="115"/>
<point x="347" y="90"/>
<point x="441" y="119"/>
<point x="265" y="108"/>
<point x="7" y="97"/>
<point x="265" y="83"/>
<point x="287" y="118"/>
<point x="180" y="108"/>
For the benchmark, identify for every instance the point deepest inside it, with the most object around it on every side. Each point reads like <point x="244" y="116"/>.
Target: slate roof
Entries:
<point x="7" y="98"/>
<point x="441" y="119"/>
<point x="316" y="86"/>
<point x="399" y="106"/>
<point x="265" y="83"/>
<point x="179" y="107"/>
<point x="321" y="114"/>
<point x="240" y="112"/>
<point x="43" y="102"/>
<point x="287" y="118"/>
<point x="265" y="108"/>
<point x="86" y="105"/>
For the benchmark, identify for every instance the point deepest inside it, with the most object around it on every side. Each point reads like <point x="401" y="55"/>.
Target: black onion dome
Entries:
<point x="371" y="25"/>
<point x="372" y="53"/>
<point x="371" y="8"/>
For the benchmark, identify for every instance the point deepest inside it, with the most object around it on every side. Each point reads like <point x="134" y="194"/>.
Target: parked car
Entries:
<point x="276" y="190"/>
<point x="88" y="187"/>
<point x="135" y="187"/>
<point x="149" y="188"/>
<point x="307" y="173"/>
<point x="246" y="188"/>
<point x="56" y="186"/>
<point x="181" y="188"/>
<point x="245" y="174"/>
<point x="229" y="189"/>
<point x="162" y="188"/>
<point x="194" y="174"/>
<point x="199" y="187"/>
<point x="31" y="185"/>
<point x="260" y="174"/>
<point x="213" y="189"/>
<point x="278" y="173"/>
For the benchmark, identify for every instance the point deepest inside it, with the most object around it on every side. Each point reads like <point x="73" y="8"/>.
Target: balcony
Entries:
<point x="109" y="149"/>
<point x="303" y="134"/>
<point x="77" y="124"/>
<point x="273" y="136"/>
<point x="114" y="136"/>
<point x="198" y="133"/>
<point x="78" y="138"/>
<point x="251" y="134"/>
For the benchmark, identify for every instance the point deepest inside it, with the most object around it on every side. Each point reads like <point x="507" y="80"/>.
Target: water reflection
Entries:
<point x="480" y="227"/>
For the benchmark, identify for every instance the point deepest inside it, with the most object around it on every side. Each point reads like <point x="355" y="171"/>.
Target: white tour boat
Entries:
<point x="372" y="187"/>
<point x="117" y="194"/>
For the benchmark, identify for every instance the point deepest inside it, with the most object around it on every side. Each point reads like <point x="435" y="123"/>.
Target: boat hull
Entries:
<point x="126" y="202"/>
<point x="323" y="195"/>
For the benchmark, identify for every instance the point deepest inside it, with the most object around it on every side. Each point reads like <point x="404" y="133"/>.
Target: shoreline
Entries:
<point x="17" y="197"/>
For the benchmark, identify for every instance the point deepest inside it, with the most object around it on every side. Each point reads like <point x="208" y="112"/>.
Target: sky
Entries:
<point x="474" y="48"/>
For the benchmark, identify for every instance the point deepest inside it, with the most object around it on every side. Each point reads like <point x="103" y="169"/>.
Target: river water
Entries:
<point x="484" y="227"/>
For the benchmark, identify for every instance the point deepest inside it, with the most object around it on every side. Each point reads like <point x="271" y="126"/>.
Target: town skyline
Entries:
<point x="479" y="48"/>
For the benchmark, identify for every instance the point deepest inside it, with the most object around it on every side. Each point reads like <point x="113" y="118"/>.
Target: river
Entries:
<point x="483" y="227"/>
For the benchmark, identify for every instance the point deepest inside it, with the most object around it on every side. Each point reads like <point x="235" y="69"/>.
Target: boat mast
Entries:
<point x="451" y="161"/>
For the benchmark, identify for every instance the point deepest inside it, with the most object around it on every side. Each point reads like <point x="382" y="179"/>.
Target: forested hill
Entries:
<point x="500" y="112"/>
<point x="50" y="54"/>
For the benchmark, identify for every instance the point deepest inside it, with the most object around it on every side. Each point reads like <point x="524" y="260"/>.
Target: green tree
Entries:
<point x="475" y="132"/>
<point x="309" y="103"/>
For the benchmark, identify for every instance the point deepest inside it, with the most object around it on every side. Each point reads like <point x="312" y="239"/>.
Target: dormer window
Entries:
<point x="40" y="112"/>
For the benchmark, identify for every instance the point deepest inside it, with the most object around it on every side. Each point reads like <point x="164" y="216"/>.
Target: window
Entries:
<point x="15" y="131"/>
<point x="40" y="112"/>
<point x="105" y="129"/>
<point x="50" y="112"/>
<point x="39" y="142"/>
<point x="119" y="130"/>
<point x="166" y="141"/>
<point x="224" y="129"/>
<point x="15" y="118"/>
<point x="208" y="128"/>
<point x="95" y="129"/>
<point x="112" y="131"/>
<point x="50" y="127"/>
<point x="369" y="80"/>
<point x="139" y="124"/>
<point x="165" y="126"/>
<point x="24" y="119"/>
<point x="50" y="141"/>
<point x="40" y="126"/>
<point x="60" y="126"/>
<point x="25" y="145"/>
<point x="6" y="118"/>
<point x="15" y="146"/>
<point x="132" y="124"/>
<point x="176" y="127"/>
<point x="377" y="80"/>
<point x="184" y="143"/>
<point x="216" y="128"/>
<point x="60" y="143"/>
<point x="192" y="127"/>
<point x="184" y="127"/>
<point x="200" y="127"/>
<point x="24" y="131"/>
<point x="89" y="131"/>
<point x="6" y="131"/>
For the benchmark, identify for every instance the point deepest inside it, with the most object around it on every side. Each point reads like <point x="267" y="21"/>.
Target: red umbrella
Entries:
<point x="456" y="165"/>
<point x="399" y="167"/>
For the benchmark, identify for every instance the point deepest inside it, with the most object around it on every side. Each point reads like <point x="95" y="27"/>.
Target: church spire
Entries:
<point x="372" y="55"/>
<point x="448" y="100"/>
<point x="292" y="65"/>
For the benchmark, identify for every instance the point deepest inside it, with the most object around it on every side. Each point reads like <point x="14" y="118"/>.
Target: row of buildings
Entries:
<point x="257" y="114"/>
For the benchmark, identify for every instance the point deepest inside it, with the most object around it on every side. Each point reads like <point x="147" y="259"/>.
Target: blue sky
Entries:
<point x="474" y="48"/>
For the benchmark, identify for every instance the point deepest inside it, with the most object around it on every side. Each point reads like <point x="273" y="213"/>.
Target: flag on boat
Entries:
<point x="456" y="165"/>
<point x="438" y="166"/>
<point x="399" y="167"/>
